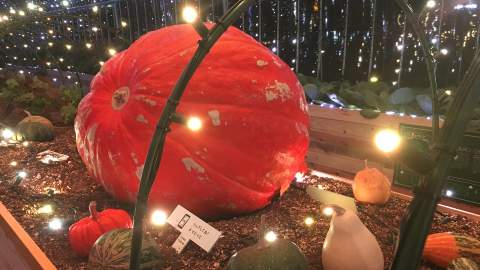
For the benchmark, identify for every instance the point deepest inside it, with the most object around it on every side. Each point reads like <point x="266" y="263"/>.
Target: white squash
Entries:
<point x="349" y="245"/>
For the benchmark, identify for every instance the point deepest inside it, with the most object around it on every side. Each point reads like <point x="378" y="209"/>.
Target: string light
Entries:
<point x="444" y="51"/>
<point x="158" y="218"/>
<point x="189" y="14"/>
<point x="95" y="9"/>
<point x="449" y="193"/>
<point x="55" y="224"/>
<point x="431" y="4"/>
<point x="309" y="221"/>
<point x="46" y="209"/>
<point x="112" y="51"/>
<point x="94" y="29"/>
<point x="22" y="174"/>
<point x="194" y="123"/>
<point x="270" y="236"/>
<point x="328" y="211"/>
<point x="25" y="144"/>
<point x="65" y="3"/>
<point x="448" y="92"/>
<point x="124" y="24"/>
<point x="88" y="45"/>
<point x="7" y="134"/>
<point x="68" y="46"/>
<point x="31" y="5"/>
<point x="21" y="13"/>
<point x="387" y="140"/>
<point x="374" y="79"/>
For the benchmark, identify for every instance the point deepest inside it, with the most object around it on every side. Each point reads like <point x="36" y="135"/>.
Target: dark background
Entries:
<point x="295" y="23"/>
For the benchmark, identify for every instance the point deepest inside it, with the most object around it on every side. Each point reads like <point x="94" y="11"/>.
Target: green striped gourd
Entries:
<point x="112" y="252"/>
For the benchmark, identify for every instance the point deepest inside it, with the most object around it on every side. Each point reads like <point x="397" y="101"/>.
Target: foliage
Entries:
<point x="71" y="98"/>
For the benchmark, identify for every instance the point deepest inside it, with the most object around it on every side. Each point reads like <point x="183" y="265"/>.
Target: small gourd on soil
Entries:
<point x="112" y="252"/>
<point x="370" y="185"/>
<point x="35" y="128"/>
<point x="83" y="234"/>
<point x="443" y="248"/>
<point x="278" y="255"/>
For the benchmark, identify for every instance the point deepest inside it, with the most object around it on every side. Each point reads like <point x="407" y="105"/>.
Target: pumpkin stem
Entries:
<point x="27" y="113"/>
<point x="92" y="207"/>
<point x="366" y="163"/>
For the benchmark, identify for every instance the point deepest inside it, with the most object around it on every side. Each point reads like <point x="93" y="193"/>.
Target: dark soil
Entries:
<point x="74" y="189"/>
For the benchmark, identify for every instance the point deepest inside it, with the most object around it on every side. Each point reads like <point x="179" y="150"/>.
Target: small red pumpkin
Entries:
<point x="83" y="234"/>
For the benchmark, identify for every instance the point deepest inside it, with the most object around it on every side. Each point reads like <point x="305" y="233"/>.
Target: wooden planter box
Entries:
<point x="17" y="250"/>
<point x="341" y="140"/>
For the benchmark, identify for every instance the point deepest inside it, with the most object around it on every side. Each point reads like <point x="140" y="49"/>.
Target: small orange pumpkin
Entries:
<point x="370" y="185"/>
<point x="442" y="248"/>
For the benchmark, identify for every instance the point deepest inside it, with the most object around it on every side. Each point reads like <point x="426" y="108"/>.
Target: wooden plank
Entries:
<point x="17" y="249"/>
<point x="384" y="120"/>
<point x="341" y="165"/>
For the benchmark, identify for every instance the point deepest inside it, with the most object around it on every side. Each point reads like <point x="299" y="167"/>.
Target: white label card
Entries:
<point x="192" y="228"/>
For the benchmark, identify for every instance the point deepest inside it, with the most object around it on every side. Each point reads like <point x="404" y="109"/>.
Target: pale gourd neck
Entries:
<point x="92" y="207"/>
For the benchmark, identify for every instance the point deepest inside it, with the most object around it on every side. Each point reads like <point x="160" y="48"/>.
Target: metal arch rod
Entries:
<point x="154" y="155"/>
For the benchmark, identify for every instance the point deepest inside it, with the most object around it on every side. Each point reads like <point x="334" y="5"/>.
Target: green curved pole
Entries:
<point x="418" y="219"/>
<point x="413" y="20"/>
<point x="154" y="155"/>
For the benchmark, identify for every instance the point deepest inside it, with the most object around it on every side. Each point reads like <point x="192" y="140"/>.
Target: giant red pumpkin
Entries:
<point x="255" y="123"/>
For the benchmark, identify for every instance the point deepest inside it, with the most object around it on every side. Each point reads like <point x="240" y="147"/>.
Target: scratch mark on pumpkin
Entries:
<point x="285" y="158"/>
<point x="190" y="165"/>
<point x="279" y="90"/>
<point x="139" y="172"/>
<point x="142" y="119"/>
<point x="215" y="116"/>
<point x="134" y="158"/>
<point x="254" y="81"/>
<point x="262" y="63"/>
<point x="146" y="70"/>
<point x="151" y="103"/>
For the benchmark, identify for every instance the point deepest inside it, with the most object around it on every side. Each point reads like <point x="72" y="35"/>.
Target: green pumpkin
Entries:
<point x="463" y="264"/>
<point x="35" y="128"/>
<point x="112" y="252"/>
<point x="278" y="255"/>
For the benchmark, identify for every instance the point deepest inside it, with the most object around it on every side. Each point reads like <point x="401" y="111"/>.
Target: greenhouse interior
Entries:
<point x="337" y="134"/>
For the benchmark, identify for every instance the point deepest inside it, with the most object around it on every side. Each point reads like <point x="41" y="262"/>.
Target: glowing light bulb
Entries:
<point x="159" y="218"/>
<point x="124" y="24"/>
<point x="448" y="92"/>
<point x="55" y="224"/>
<point x="48" y="64"/>
<point x="25" y="144"/>
<point x="431" y="4"/>
<point x="449" y="193"/>
<point x="50" y="31"/>
<point x="95" y="9"/>
<point x="444" y="51"/>
<point x="46" y="209"/>
<point x="65" y="3"/>
<point x="112" y="51"/>
<point x="21" y="13"/>
<point x="94" y="29"/>
<point x="22" y="174"/>
<point x="299" y="177"/>
<point x="50" y="44"/>
<point x="7" y="134"/>
<point x="309" y="221"/>
<point x="328" y="211"/>
<point x="270" y="236"/>
<point x="374" y="79"/>
<point x="194" y="123"/>
<point x="387" y="140"/>
<point x="189" y="14"/>
<point x="31" y="6"/>
<point x="13" y="163"/>
<point x="68" y="46"/>
<point x="12" y="11"/>
<point x="101" y="63"/>
<point x="88" y="45"/>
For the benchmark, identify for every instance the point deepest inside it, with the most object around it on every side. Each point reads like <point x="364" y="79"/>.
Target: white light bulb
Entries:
<point x="55" y="224"/>
<point x="22" y="174"/>
<point x="159" y="218"/>
<point x="13" y="163"/>
<point x="271" y="236"/>
<point x="449" y="193"/>
<point x="88" y="45"/>
<point x="112" y="51"/>
<point x="328" y="211"/>
<point x="387" y="140"/>
<point x="94" y="29"/>
<point x="431" y="4"/>
<point x="31" y="6"/>
<point x="21" y="13"/>
<point x="194" y="123"/>
<point x="374" y="79"/>
<point x="65" y="3"/>
<point x="46" y="209"/>
<point x="448" y="92"/>
<point x="189" y="14"/>
<point x="68" y="46"/>
<point x="124" y="24"/>
<point x="309" y="221"/>
<point x="444" y="51"/>
<point x="7" y="134"/>
<point x="95" y="9"/>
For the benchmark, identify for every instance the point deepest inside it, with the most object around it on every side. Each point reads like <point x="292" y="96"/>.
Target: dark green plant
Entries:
<point x="71" y="96"/>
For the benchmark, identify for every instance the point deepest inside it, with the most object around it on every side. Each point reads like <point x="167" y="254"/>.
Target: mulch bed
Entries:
<point x="74" y="189"/>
